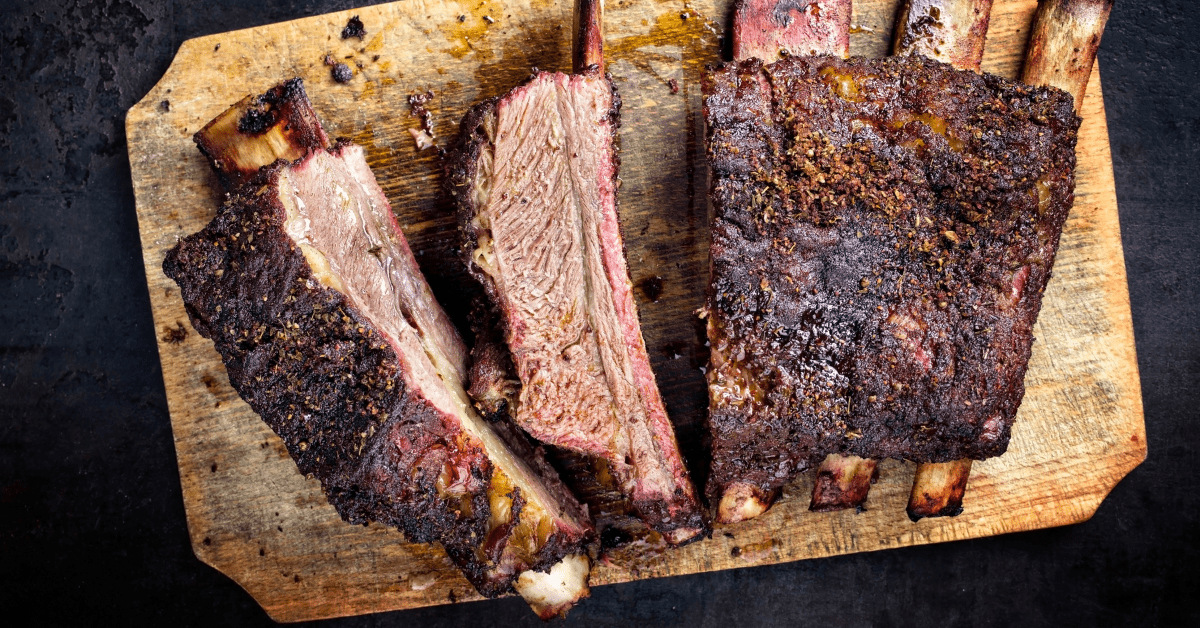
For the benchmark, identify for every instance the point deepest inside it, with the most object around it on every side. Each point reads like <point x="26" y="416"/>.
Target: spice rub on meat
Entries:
<point x="883" y="231"/>
<point x="534" y="174"/>
<point x="328" y="329"/>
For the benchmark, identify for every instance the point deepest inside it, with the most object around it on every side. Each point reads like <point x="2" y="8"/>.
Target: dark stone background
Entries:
<point x="92" y="526"/>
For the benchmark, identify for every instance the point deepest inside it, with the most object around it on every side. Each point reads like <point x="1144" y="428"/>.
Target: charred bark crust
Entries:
<point x="328" y="383"/>
<point x="883" y="231"/>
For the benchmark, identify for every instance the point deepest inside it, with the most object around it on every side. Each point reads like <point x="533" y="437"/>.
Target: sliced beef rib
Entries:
<point x="534" y="174"/>
<point x="329" y="331"/>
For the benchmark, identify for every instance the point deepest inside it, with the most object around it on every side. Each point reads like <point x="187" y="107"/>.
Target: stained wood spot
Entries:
<point x="174" y="335"/>
<point x="652" y="287"/>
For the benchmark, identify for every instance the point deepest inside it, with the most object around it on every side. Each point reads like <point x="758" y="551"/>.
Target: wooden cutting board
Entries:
<point x="252" y="516"/>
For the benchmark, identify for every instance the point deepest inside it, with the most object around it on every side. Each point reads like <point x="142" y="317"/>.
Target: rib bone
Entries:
<point x="1062" y="49"/>
<point x="762" y="29"/>
<point x="950" y="31"/>
<point x="842" y="482"/>
<point x="954" y="32"/>
<point x="587" y="49"/>
<point x="1063" y="44"/>
<point x="767" y="28"/>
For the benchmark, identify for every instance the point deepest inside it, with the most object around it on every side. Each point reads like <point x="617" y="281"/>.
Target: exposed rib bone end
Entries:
<point x="950" y="31"/>
<point x="258" y="130"/>
<point x="742" y="501"/>
<point x="764" y="28"/>
<point x="938" y="489"/>
<point x="954" y="32"/>
<point x="553" y="593"/>
<point x="587" y="49"/>
<point x="842" y="482"/>
<point x="1063" y="44"/>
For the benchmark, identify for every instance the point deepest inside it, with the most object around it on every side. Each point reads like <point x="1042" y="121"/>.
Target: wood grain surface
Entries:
<point x="252" y="516"/>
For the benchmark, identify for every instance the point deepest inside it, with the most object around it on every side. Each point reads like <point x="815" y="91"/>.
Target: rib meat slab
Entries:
<point x="330" y="332"/>
<point x="535" y="175"/>
<point x="883" y="231"/>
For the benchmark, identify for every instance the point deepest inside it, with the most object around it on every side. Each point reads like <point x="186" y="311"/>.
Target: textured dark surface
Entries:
<point x="92" y="526"/>
<point x="286" y="343"/>
<point x="875" y="282"/>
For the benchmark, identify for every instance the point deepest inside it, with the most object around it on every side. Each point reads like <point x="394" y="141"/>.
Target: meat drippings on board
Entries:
<point x="534" y="175"/>
<point x="883" y="231"/>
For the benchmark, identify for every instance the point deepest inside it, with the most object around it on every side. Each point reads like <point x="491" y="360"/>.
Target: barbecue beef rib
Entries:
<point x="534" y="175"/>
<point x="883" y="231"/>
<point x="329" y="331"/>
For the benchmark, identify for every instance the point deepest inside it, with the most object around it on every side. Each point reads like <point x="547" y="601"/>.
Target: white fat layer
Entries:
<point x="481" y="192"/>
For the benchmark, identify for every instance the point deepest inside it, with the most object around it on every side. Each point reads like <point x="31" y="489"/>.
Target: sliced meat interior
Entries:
<point x="882" y="234"/>
<point x="534" y="174"/>
<point x="329" y="331"/>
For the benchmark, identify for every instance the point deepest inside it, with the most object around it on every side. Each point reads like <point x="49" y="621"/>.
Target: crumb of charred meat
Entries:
<point x="341" y="73"/>
<point x="418" y="110"/>
<point x="354" y="28"/>
<point x="174" y="335"/>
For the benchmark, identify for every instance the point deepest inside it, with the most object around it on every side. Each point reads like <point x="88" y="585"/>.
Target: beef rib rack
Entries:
<point x="883" y="230"/>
